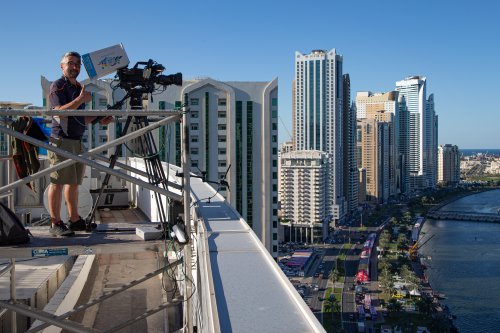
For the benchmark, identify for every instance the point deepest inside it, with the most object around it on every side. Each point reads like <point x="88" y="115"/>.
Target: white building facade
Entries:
<point x="422" y="132"/>
<point x="304" y="176"/>
<point x="233" y="135"/>
<point x="318" y="104"/>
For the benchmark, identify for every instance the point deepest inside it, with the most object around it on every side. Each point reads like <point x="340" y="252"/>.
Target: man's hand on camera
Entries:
<point x="106" y="120"/>
<point x="84" y="95"/>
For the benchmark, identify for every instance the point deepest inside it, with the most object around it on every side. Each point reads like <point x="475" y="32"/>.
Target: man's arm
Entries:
<point x="84" y="97"/>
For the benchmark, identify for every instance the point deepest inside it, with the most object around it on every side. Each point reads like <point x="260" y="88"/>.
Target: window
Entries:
<point x="194" y="138"/>
<point x="275" y="138"/>
<point x="221" y="102"/>
<point x="221" y="127"/>
<point x="194" y="114"/>
<point x="222" y="114"/>
<point x="194" y="127"/>
<point x="275" y="236"/>
<point x="274" y="113"/>
<point x="222" y="151"/>
<point x="178" y="104"/>
<point x="103" y="102"/>
<point x="222" y="164"/>
<point x="161" y="105"/>
<point x="275" y="187"/>
<point x="275" y="163"/>
<point x="194" y="101"/>
<point x="194" y="151"/>
<point x="194" y="163"/>
<point x="275" y="126"/>
<point x="275" y="175"/>
<point x="222" y="138"/>
<point x="274" y="102"/>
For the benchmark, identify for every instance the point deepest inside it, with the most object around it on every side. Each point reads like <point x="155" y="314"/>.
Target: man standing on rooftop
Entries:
<point x="66" y="93"/>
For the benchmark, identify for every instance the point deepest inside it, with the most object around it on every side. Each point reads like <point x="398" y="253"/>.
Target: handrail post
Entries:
<point x="188" y="290"/>
<point x="13" y="318"/>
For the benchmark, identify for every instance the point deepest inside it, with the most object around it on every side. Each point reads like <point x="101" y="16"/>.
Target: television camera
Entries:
<point x="142" y="78"/>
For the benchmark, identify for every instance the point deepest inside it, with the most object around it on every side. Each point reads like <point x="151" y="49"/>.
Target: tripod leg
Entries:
<point x="89" y="224"/>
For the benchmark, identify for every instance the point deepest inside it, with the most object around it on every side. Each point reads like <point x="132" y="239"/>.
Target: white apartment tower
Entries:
<point x="318" y="93"/>
<point x="305" y="213"/>
<point x="448" y="164"/>
<point x="234" y="130"/>
<point x="422" y="132"/>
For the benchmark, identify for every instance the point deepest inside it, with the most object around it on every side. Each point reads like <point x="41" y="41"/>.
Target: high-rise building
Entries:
<point x="384" y="107"/>
<point x="448" y="164"/>
<point x="318" y="115"/>
<point x="422" y="132"/>
<point x="304" y="182"/>
<point x="234" y="130"/>
<point x="350" y="167"/>
<point x="403" y="134"/>
<point x="373" y="143"/>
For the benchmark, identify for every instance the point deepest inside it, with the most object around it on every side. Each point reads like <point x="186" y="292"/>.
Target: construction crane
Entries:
<point x="413" y="251"/>
<point x="286" y="129"/>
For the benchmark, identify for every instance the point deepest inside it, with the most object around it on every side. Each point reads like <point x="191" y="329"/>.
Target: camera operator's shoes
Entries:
<point x="59" y="229"/>
<point x="78" y="225"/>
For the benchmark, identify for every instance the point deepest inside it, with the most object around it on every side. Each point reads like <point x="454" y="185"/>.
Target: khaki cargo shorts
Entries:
<point x="72" y="174"/>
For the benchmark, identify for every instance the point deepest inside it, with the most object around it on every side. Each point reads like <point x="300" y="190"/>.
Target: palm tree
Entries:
<point x="334" y="275"/>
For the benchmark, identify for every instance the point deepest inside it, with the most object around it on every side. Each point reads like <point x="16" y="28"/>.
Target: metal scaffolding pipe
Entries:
<point x="76" y="158"/>
<point x="80" y="112"/>
<point x="49" y="318"/>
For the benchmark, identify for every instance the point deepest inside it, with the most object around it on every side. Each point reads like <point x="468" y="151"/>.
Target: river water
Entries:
<point x="465" y="263"/>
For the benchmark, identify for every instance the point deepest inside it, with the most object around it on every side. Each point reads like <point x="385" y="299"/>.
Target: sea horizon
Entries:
<point x="473" y="151"/>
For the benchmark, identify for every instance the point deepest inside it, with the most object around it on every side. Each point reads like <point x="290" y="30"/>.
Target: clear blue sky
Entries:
<point x="455" y="44"/>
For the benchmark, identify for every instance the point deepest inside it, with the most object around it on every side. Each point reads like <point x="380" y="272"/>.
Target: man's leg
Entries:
<point x="55" y="196"/>
<point x="71" y="197"/>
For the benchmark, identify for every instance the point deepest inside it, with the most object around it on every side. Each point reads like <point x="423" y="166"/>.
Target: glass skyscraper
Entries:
<point x="318" y="106"/>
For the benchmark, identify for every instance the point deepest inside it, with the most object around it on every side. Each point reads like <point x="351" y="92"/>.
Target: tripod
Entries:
<point x="149" y="152"/>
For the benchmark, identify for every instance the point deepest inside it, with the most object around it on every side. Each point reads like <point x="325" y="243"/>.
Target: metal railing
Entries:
<point x="205" y="287"/>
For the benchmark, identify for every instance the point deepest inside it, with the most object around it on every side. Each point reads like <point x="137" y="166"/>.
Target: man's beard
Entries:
<point x="73" y="74"/>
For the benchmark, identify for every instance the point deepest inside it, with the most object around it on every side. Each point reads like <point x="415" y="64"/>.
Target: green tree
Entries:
<point x="402" y="240"/>
<point x="334" y="275"/>
<point x="424" y="305"/>
<point x="394" y="221"/>
<point x="394" y="306"/>
<point x="406" y="273"/>
<point x="384" y="239"/>
<point x="407" y="218"/>
<point x="386" y="281"/>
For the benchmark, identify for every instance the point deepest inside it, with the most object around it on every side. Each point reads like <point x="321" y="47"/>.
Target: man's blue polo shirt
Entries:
<point x="72" y="127"/>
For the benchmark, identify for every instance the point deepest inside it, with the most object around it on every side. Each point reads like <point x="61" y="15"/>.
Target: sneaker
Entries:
<point x="78" y="225"/>
<point x="60" y="229"/>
